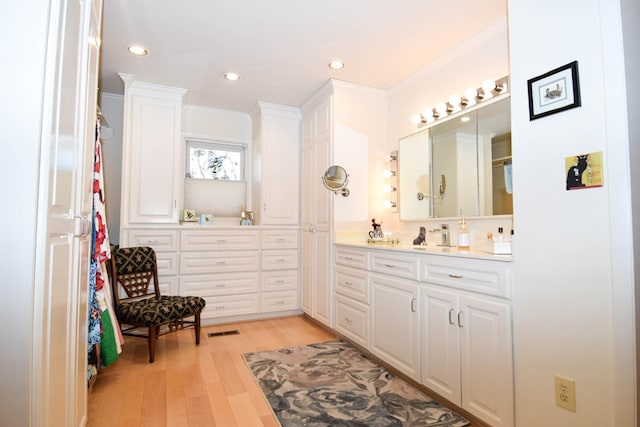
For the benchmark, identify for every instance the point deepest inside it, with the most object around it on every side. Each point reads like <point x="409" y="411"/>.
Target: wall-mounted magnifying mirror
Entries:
<point x="336" y="179"/>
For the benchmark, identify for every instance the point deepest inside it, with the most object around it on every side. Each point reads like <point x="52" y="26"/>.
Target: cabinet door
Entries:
<point x="280" y="163"/>
<point x="441" y="343"/>
<point x="486" y="360"/>
<point x="395" y="323"/>
<point x="152" y="154"/>
<point x="307" y="272"/>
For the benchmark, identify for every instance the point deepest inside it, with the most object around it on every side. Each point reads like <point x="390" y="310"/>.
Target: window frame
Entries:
<point x="219" y="146"/>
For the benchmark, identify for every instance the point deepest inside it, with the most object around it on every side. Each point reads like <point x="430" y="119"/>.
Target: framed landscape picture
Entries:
<point x="555" y="91"/>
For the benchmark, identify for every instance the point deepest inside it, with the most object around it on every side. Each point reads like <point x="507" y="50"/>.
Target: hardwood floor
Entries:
<point x="188" y="385"/>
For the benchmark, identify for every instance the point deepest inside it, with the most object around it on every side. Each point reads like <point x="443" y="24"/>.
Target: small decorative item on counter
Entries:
<point x="422" y="237"/>
<point x="376" y="233"/>
<point x="189" y="215"/>
<point x="463" y="236"/>
<point x="206" y="219"/>
<point x="246" y="218"/>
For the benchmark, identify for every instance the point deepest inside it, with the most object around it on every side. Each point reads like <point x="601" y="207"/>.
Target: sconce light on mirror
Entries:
<point x="336" y="179"/>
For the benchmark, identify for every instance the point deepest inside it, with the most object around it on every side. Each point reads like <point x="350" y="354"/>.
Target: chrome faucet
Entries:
<point x="446" y="237"/>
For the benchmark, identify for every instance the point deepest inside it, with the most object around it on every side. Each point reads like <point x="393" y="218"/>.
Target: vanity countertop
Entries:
<point x="430" y="249"/>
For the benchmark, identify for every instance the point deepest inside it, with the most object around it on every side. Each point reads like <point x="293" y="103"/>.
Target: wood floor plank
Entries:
<point x="188" y="385"/>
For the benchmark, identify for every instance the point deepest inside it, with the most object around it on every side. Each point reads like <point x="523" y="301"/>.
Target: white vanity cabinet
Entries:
<point x="466" y="335"/>
<point x="152" y="155"/>
<point x="223" y="267"/>
<point x="165" y="244"/>
<point x="395" y="316"/>
<point x="276" y="164"/>
<point x="352" y="295"/>
<point x="279" y="270"/>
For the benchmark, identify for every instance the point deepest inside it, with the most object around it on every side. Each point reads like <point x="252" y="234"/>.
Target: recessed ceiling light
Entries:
<point x="232" y="76"/>
<point x="465" y="119"/>
<point x="138" y="50"/>
<point x="336" y="64"/>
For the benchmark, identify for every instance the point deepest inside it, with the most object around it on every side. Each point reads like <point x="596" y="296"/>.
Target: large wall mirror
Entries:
<point x="460" y="166"/>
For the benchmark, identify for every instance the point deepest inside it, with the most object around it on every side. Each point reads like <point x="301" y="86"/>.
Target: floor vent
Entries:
<point x="219" y="334"/>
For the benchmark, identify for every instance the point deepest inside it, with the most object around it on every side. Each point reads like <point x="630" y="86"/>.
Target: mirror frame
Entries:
<point x="335" y="179"/>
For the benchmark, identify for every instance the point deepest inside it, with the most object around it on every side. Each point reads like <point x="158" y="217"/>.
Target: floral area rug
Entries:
<point x="333" y="384"/>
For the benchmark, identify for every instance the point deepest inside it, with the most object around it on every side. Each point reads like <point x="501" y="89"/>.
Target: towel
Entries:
<point x="508" y="185"/>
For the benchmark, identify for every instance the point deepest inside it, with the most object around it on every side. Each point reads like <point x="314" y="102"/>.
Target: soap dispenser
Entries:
<point x="463" y="235"/>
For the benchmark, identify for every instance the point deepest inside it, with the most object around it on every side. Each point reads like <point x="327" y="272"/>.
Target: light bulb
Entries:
<point x="388" y="204"/>
<point x="388" y="173"/>
<point x="441" y="108"/>
<point x="455" y="100"/>
<point x="427" y="114"/>
<point x="416" y="119"/>
<point x="488" y="86"/>
<point x="388" y="188"/>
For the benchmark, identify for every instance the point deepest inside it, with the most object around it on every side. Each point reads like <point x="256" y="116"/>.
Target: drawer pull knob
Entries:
<point x="413" y="305"/>
<point x="280" y="240"/>
<point x="456" y="276"/>
<point x="219" y="307"/>
<point x="346" y="319"/>
<point x="221" y="285"/>
<point x="348" y="284"/>
<point x="221" y="262"/>
<point x="280" y="302"/>
<point x="348" y="258"/>
<point x="280" y="260"/>
<point x="460" y="320"/>
<point x="222" y="241"/>
<point x="280" y="281"/>
<point x="389" y="265"/>
<point x="451" y="321"/>
<point x="153" y="241"/>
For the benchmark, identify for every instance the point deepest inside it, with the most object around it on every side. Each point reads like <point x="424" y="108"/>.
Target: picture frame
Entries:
<point x="555" y="91"/>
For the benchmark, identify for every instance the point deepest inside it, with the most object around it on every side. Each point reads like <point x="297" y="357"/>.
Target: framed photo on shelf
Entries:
<point x="555" y="91"/>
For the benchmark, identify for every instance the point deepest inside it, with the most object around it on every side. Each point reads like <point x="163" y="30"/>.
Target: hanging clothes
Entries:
<point x="105" y="338"/>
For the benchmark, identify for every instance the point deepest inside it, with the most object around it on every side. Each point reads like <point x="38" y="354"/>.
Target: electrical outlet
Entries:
<point x="565" y="393"/>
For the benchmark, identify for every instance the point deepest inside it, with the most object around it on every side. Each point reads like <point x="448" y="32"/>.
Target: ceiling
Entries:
<point x="280" y="48"/>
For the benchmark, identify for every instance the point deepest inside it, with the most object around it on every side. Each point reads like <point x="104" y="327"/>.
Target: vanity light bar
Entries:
<point x="457" y="103"/>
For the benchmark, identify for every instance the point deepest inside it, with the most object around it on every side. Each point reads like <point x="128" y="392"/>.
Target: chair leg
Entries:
<point x="197" y="328"/>
<point x="153" y="337"/>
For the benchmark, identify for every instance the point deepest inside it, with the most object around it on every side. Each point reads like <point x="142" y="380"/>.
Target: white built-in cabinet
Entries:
<point x="444" y="321"/>
<point x="152" y="153"/>
<point x="394" y="315"/>
<point x="276" y="164"/>
<point x="316" y="215"/>
<point x="467" y="352"/>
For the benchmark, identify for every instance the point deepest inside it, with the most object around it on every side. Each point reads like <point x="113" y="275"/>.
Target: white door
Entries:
<point x="486" y="360"/>
<point x="394" y="324"/>
<point x="441" y="343"/>
<point x="60" y="306"/>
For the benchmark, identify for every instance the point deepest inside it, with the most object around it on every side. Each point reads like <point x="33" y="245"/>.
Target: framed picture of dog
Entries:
<point x="555" y="91"/>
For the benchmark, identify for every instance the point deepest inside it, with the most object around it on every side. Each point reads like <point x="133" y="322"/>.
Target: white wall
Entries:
<point x="573" y="296"/>
<point x="222" y="199"/>
<point x="112" y="107"/>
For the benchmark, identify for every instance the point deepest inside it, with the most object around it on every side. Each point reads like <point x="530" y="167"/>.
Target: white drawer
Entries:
<point x="279" y="260"/>
<point x="352" y="258"/>
<point x="218" y="262"/>
<point x="279" y="239"/>
<point x="352" y="320"/>
<point x="279" y="301"/>
<point x="233" y="305"/>
<point x="219" y="240"/>
<point x="169" y="285"/>
<point x="396" y="265"/>
<point x="159" y="240"/>
<point x="279" y="280"/>
<point x="167" y="263"/>
<point x="353" y="283"/>
<point x="482" y="276"/>
<point x="219" y="284"/>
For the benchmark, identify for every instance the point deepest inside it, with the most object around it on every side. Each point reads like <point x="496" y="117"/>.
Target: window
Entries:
<point x="215" y="160"/>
